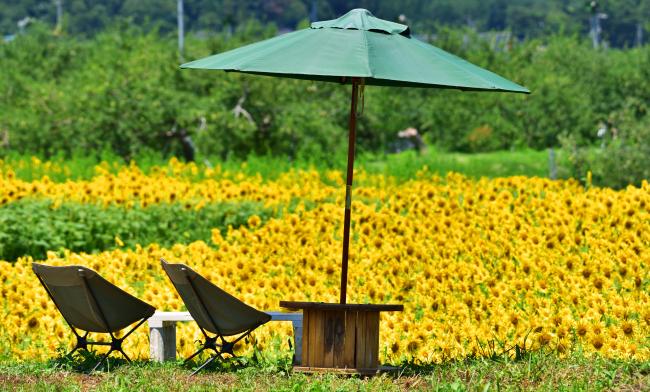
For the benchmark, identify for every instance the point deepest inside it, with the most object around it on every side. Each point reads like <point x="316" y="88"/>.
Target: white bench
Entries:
<point x="162" y="333"/>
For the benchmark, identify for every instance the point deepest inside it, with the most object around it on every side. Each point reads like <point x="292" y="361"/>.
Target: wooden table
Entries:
<point x="340" y="337"/>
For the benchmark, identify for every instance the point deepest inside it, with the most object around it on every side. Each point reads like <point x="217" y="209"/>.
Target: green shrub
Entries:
<point x="123" y="91"/>
<point x="32" y="226"/>
<point x="623" y="158"/>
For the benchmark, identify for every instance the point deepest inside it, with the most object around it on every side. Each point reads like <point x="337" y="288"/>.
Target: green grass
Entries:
<point x="537" y="371"/>
<point x="493" y="164"/>
<point x="402" y="166"/>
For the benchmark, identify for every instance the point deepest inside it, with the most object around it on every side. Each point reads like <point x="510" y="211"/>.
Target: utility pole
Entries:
<point x="181" y="30"/>
<point x="594" y="23"/>
<point x="59" y="14"/>
<point x="313" y="13"/>
<point x="552" y="165"/>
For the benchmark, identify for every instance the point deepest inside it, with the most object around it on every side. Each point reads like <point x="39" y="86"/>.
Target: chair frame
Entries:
<point x="211" y="343"/>
<point x="82" y="341"/>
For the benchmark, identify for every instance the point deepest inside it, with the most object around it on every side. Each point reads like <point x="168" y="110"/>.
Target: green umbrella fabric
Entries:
<point x="357" y="49"/>
<point x="358" y="45"/>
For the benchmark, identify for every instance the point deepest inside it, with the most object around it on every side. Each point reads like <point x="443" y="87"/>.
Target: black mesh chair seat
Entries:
<point x="214" y="311"/>
<point x="90" y="303"/>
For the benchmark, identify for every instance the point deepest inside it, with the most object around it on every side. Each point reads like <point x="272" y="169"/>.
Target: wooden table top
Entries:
<point x="337" y="306"/>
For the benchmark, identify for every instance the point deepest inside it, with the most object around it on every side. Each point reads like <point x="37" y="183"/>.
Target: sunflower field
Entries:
<point x="482" y="266"/>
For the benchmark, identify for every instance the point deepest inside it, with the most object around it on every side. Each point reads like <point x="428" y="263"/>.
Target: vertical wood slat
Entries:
<point x="305" y="337"/>
<point x="339" y="340"/>
<point x="349" y="339"/>
<point x="360" y="360"/>
<point x="317" y="327"/>
<point x="312" y="336"/>
<point x="321" y="337"/>
<point x="372" y="339"/>
<point x="328" y="339"/>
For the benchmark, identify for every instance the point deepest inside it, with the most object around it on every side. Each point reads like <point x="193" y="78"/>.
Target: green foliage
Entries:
<point x="32" y="227"/>
<point x="525" y="18"/>
<point x="89" y="93"/>
<point x="403" y="166"/>
<point x="624" y="155"/>
<point x="123" y="92"/>
<point x="565" y="100"/>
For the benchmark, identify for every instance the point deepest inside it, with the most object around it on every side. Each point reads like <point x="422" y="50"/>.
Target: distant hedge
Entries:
<point x="622" y="157"/>
<point x="123" y="91"/>
<point x="31" y="227"/>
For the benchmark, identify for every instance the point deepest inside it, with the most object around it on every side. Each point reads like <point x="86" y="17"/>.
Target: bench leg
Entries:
<point x="162" y="342"/>
<point x="297" y="342"/>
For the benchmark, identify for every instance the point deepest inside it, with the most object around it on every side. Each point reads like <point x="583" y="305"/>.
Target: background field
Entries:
<point x="491" y="270"/>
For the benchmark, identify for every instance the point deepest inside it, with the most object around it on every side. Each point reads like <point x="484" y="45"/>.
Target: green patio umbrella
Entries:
<point x="357" y="49"/>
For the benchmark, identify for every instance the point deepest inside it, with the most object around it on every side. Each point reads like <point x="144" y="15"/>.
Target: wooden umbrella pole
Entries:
<point x="348" y="189"/>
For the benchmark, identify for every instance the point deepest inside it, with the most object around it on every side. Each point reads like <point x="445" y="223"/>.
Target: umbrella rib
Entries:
<point x="365" y="42"/>
<point x="448" y="61"/>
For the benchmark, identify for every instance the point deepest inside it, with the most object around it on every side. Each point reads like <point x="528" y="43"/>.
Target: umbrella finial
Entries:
<point x="362" y="19"/>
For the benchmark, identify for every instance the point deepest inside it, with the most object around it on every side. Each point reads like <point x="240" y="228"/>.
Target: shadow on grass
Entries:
<point x="538" y="369"/>
<point x="258" y="360"/>
<point x="86" y="362"/>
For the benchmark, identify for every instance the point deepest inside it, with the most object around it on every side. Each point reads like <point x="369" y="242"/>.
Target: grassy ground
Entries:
<point x="492" y="164"/>
<point x="535" y="372"/>
<point x="403" y="166"/>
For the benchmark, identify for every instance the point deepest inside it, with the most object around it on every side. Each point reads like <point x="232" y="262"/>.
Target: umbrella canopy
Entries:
<point x="358" y="45"/>
<point x="357" y="49"/>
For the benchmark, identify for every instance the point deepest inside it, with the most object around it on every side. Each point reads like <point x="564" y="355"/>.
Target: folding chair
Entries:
<point x="214" y="311"/>
<point x="92" y="304"/>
